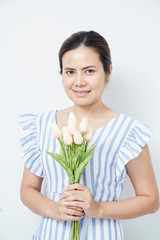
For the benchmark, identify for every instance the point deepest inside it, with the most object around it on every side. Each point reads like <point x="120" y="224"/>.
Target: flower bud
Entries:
<point x="56" y="131"/>
<point x="72" y="117"/>
<point x="72" y="126"/>
<point x="88" y="136"/>
<point x="84" y="125"/>
<point x="67" y="138"/>
<point x="72" y="123"/>
<point x="65" y="130"/>
<point x="78" y="139"/>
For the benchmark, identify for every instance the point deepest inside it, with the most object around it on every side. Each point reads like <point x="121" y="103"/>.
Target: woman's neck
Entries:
<point x="89" y="111"/>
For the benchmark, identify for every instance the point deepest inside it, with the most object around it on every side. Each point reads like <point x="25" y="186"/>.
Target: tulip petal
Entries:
<point x="56" y="131"/>
<point x="84" y="125"/>
<point x="78" y="139"/>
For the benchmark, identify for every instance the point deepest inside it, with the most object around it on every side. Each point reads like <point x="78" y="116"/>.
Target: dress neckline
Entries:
<point x="109" y="122"/>
<point x="99" y="128"/>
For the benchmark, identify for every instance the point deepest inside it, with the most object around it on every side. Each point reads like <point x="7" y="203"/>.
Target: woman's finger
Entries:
<point x="69" y="193"/>
<point x="74" y="212"/>
<point x="77" y="208"/>
<point x="73" y="204"/>
<point x="75" y="186"/>
<point x="77" y="195"/>
<point x="72" y="218"/>
<point x="73" y="197"/>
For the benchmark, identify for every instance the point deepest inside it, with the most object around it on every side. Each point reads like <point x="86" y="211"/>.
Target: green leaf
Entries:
<point x="88" y="153"/>
<point x="84" y="143"/>
<point x="62" y="147"/>
<point x="75" y="158"/>
<point x="74" y="161"/>
<point x="90" y="149"/>
<point x="79" y="153"/>
<point x="58" y="158"/>
<point x="64" y="164"/>
<point x="79" y="170"/>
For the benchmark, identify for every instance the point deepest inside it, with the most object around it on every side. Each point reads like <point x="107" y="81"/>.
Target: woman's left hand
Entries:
<point x="77" y="195"/>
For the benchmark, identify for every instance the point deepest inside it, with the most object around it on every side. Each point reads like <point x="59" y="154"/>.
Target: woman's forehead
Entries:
<point x="85" y="56"/>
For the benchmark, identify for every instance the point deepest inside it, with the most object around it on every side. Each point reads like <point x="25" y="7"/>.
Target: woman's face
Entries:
<point x="83" y="76"/>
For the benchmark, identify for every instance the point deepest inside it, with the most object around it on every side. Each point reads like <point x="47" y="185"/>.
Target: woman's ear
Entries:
<point x="108" y="74"/>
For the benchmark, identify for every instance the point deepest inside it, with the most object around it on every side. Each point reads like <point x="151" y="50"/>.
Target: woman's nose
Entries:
<point x="79" y="80"/>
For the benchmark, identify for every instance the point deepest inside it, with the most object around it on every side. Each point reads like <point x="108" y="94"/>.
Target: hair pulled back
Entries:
<point x="87" y="39"/>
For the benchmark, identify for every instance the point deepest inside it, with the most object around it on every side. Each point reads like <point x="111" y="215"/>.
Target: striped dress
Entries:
<point x="118" y="141"/>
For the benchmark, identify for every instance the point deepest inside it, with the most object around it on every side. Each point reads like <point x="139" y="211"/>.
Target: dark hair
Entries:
<point x="87" y="39"/>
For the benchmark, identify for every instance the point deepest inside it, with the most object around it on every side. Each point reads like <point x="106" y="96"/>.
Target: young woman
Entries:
<point x="85" y="65"/>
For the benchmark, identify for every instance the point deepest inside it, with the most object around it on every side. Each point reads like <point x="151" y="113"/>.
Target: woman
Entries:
<point x="85" y="65"/>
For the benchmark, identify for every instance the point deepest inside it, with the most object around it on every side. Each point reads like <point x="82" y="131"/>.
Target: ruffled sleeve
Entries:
<point x="32" y="156"/>
<point x="137" y="137"/>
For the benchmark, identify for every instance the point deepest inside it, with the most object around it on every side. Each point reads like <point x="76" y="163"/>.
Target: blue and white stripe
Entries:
<point x="118" y="141"/>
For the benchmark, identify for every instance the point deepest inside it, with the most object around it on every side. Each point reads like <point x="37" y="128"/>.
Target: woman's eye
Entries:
<point x="70" y="72"/>
<point x="90" y="71"/>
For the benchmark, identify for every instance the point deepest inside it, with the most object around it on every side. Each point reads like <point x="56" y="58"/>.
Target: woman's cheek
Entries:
<point x="67" y="83"/>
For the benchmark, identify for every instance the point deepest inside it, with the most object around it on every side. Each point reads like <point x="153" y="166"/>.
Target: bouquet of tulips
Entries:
<point x="74" y="153"/>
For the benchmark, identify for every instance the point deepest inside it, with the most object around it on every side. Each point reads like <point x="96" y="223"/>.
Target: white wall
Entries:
<point x="31" y="33"/>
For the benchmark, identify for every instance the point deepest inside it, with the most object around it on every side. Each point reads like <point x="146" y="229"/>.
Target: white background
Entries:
<point x="31" y="33"/>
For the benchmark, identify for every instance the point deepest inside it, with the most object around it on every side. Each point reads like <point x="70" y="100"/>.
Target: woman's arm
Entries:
<point x="146" y="200"/>
<point x="33" y="199"/>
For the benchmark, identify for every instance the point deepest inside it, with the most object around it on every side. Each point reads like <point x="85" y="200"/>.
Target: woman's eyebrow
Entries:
<point x="69" y="68"/>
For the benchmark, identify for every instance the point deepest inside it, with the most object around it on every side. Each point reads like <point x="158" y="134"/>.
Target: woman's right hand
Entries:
<point x="38" y="203"/>
<point x="60" y="212"/>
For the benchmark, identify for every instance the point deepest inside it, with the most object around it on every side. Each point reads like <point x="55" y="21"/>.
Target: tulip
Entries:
<point x="56" y="131"/>
<point x="88" y="136"/>
<point x="65" y="130"/>
<point x="72" y="123"/>
<point x="72" y="126"/>
<point x="84" y="125"/>
<point x="72" y="117"/>
<point x="67" y="139"/>
<point x="78" y="139"/>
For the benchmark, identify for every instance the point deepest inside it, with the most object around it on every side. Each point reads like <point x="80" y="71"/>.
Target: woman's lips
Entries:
<point x="82" y="93"/>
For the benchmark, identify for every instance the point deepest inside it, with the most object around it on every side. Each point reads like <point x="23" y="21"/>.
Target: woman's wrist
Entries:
<point x="99" y="211"/>
<point x="50" y="209"/>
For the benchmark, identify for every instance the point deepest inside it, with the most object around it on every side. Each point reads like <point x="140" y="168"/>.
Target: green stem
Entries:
<point x="78" y="231"/>
<point x="70" y="160"/>
<point x="73" y="147"/>
<point x="72" y="237"/>
<point x="62" y="149"/>
<point x="69" y="156"/>
<point x="86" y="146"/>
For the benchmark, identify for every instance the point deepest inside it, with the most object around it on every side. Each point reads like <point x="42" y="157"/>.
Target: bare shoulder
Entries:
<point x="107" y="115"/>
<point x="102" y="118"/>
<point x="110" y="114"/>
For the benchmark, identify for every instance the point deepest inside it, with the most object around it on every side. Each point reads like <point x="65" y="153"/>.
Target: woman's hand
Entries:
<point x="77" y="195"/>
<point x="66" y="213"/>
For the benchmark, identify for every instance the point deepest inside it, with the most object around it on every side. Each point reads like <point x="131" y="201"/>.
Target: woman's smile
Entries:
<point x="82" y="93"/>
